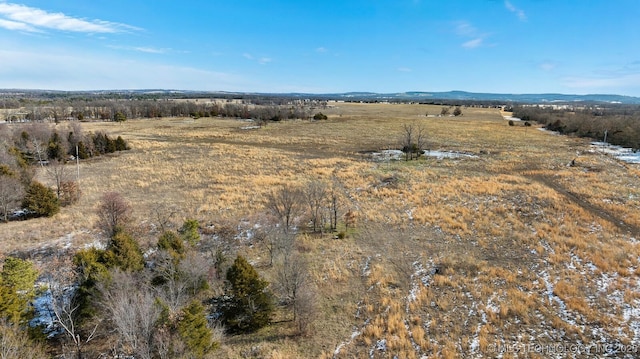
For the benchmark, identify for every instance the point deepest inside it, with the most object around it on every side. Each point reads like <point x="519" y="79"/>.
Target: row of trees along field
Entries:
<point x="23" y="147"/>
<point x="177" y="296"/>
<point x="621" y="123"/>
<point x="119" y="109"/>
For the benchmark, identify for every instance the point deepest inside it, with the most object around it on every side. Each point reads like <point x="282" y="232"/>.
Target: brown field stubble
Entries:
<point x="450" y="257"/>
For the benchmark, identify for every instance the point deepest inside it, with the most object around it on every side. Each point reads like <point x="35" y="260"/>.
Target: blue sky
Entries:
<point x="499" y="46"/>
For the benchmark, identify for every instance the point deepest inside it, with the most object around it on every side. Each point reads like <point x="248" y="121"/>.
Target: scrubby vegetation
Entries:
<point x="25" y="147"/>
<point x="299" y="239"/>
<point x="617" y="124"/>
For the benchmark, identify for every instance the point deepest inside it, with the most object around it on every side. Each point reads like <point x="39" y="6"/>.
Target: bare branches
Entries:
<point x="413" y="140"/>
<point x="133" y="312"/>
<point x="285" y="204"/>
<point x="113" y="212"/>
<point x="297" y="290"/>
<point x="65" y="309"/>
<point x="11" y="193"/>
<point x="315" y="194"/>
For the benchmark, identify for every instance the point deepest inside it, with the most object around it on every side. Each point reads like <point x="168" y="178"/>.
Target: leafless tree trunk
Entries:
<point x="163" y="215"/>
<point x="113" y="212"/>
<point x="315" y="194"/>
<point x="421" y="140"/>
<point x="173" y="290"/>
<point x="296" y="289"/>
<point x="181" y="281"/>
<point x="132" y="310"/>
<point x="277" y="241"/>
<point x="407" y="141"/>
<point x="11" y="193"/>
<point x="58" y="173"/>
<point x="64" y="308"/>
<point x="333" y="205"/>
<point x="15" y="344"/>
<point x="412" y="140"/>
<point x="305" y="308"/>
<point x="285" y="204"/>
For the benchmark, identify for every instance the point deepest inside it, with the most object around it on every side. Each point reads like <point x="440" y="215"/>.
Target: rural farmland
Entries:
<point x="526" y="241"/>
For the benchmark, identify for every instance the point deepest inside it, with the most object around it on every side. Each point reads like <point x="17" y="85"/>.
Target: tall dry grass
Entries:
<point x="496" y="227"/>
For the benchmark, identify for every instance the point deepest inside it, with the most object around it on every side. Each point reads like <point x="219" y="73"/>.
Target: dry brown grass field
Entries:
<point x="468" y="257"/>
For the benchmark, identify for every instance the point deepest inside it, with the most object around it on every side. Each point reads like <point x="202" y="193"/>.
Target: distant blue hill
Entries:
<point x="421" y="96"/>
<point x="474" y="96"/>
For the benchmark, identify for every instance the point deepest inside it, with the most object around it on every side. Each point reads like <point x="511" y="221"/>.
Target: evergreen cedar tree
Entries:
<point x="248" y="306"/>
<point x="41" y="200"/>
<point x="17" y="282"/>
<point x="123" y="252"/>
<point x="194" y="331"/>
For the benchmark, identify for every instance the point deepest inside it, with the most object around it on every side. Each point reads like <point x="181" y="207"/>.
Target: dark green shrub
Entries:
<point x="320" y="116"/>
<point x="124" y="252"/>
<point x="194" y="331"/>
<point x="41" y="200"/>
<point x="248" y="305"/>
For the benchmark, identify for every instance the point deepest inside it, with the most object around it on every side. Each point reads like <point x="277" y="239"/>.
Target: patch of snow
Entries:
<point x="409" y="213"/>
<point x="366" y="270"/>
<point x="97" y="244"/>
<point x="423" y="276"/>
<point x="387" y="155"/>
<point x="354" y="335"/>
<point x="511" y="118"/>
<point x="448" y="154"/>
<point x="621" y="153"/>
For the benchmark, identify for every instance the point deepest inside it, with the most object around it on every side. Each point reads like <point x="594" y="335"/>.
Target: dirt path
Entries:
<point x="586" y="205"/>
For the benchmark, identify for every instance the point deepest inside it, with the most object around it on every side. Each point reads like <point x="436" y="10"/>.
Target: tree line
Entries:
<point x="121" y="109"/>
<point x="25" y="147"/>
<point x="620" y="123"/>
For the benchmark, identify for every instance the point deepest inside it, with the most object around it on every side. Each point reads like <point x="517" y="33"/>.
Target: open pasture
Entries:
<point x="449" y="258"/>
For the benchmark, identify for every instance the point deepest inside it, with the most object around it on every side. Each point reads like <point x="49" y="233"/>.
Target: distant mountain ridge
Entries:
<point x="476" y="96"/>
<point x="421" y="96"/>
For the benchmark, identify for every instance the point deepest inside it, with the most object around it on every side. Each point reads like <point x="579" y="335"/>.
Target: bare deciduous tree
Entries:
<point x="285" y="204"/>
<point x="15" y="344"/>
<point x="315" y="194"/>
<point x="276" y="241"/>
<point x="64" y="308"/>
<point x="113" y="212"/>
<point x="163" y="215"/>
<point x="334" y="205"/>
<point x="412" y="140"/>
<point x="180" y="281"/>
<point x="132" y="311"/>
<point x="57" y="171"/>
<point x="305" y="308"/>
<point x="11" y="193"/>
<point x="296" y="289"/>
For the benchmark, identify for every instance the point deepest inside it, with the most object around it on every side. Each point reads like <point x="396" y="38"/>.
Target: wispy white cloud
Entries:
<point x="17" y="26"/>
<point x="467" y="30"/>
<point x="260" y="60"/>
<point x="519" y="13"/>
<point x="602" y="84"/>
<point x="59" y="69"/>
<point x="472" y="44"/>
<point x="145" y="49"/>
<point x="24" y="18"/>
<point x="547" y="66"/>
<point x="463" y="28"/>
<point x="404" y="69"/>
<point x="621" y="78"/>
<point x="321" y="49"/>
